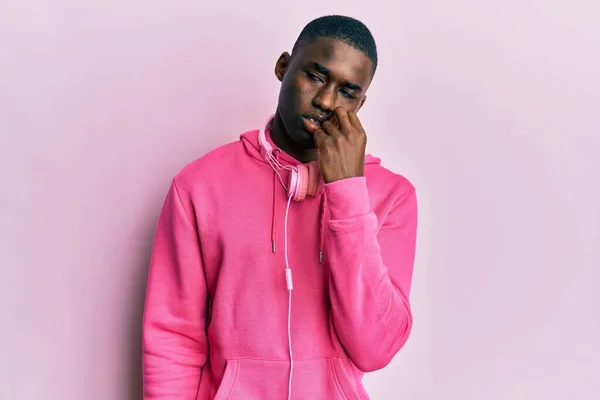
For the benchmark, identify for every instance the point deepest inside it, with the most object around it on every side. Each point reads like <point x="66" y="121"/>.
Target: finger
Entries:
<point x="330" y="128"/>
<point x="353" y="118"/>
<point x="342" y="116"/>
<point x="319" y="136"/>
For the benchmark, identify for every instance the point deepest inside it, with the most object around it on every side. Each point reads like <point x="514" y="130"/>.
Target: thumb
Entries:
<point x="320" y="136"/>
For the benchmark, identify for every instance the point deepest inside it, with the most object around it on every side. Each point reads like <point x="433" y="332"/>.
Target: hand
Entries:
<point x="341" y="143"/>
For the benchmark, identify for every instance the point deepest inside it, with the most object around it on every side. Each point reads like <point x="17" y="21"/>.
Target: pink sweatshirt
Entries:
<point x="216" y="313"/>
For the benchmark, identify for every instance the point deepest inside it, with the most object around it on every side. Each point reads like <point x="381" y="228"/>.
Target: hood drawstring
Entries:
<point x="274" y="212"/>
<point x="322" y="217"/>
<point x="322" y="227"/>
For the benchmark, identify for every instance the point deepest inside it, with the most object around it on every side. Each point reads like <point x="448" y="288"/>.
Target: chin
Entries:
<point x="303" y="139"/>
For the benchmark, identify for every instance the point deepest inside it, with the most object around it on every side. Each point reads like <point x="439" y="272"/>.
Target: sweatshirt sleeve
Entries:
<point x="370" y="272"/>
<point x="174" y="339"/>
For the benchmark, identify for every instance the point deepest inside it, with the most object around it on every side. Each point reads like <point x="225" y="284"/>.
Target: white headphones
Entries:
<point x="304" y="178"/>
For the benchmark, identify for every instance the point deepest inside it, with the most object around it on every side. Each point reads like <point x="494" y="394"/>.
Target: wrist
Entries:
<point x="348" y="198"/>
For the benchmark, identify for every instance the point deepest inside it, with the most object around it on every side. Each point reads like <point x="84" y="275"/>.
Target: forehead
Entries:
<point x="342" y="60"/>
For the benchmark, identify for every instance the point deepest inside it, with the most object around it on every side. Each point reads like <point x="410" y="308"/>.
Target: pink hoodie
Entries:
<point x="216" y="313"/>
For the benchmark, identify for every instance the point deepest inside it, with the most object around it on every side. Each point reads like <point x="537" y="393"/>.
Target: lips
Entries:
<point x="315" y="117"/>
<point x="313" y="121"/>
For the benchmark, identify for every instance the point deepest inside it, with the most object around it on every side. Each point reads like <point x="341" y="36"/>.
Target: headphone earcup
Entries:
<point x="304" y="181"/>
<point x="293" y="183"/>
<point x="301" y="182"/>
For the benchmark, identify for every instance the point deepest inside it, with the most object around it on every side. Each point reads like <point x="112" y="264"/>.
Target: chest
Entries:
<point x="237" y="241"/>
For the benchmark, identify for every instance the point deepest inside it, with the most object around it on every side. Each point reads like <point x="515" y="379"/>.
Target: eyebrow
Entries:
<point x="325" y="71"/>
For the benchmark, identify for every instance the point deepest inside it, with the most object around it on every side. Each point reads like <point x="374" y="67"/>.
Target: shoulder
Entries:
<point x="389" y="183"/>
<point x="208" y="167"/>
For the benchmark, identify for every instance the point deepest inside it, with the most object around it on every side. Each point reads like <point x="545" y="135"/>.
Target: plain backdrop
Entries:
<point x="491" y="108"/>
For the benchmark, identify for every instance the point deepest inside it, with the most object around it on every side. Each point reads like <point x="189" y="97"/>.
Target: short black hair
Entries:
<point x="346" y="29"/>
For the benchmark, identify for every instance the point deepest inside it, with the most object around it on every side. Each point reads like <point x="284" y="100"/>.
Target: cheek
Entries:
<point x="300" y="92"/>
<point x="288" y="94"/>
<point x="349" y="104"/>
<point x="355" y="106"/>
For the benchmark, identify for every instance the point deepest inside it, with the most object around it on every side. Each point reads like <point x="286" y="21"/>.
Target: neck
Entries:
<point x="282" y="140"/>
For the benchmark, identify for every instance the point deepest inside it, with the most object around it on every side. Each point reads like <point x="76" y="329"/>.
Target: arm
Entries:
<point x="174" y="339"/>
<point x="370" y="273"/>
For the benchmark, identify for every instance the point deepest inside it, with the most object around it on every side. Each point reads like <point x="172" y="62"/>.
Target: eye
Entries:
<point x="313" y="77"/>
<point x="347" y="94"/>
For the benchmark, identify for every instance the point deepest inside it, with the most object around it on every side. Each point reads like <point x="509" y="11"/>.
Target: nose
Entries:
<point x="325" y="99"/>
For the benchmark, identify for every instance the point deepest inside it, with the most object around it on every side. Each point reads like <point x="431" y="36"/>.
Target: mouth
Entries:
<point x="312" y="122"/>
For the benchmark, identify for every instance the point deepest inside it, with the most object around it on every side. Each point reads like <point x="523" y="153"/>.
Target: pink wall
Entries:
<point x="491" y="110"/>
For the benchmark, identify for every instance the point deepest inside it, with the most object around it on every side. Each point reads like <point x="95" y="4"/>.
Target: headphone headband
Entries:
<point x="303" y="179"/>
<point x="265" y="147"/>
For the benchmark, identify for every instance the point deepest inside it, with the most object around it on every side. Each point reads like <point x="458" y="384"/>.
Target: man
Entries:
<point x="225" y="318"/>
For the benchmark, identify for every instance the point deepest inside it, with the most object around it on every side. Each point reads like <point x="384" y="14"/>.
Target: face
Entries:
<point x="321" y="77"/>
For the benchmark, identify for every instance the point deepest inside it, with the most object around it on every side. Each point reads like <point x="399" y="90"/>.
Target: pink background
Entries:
<point x="489" y="107"/>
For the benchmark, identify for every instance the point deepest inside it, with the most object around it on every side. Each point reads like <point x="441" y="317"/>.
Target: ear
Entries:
<point x="283" y="62"/>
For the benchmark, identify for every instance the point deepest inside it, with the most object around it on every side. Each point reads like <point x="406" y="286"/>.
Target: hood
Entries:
<point x="251" y="145"/>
